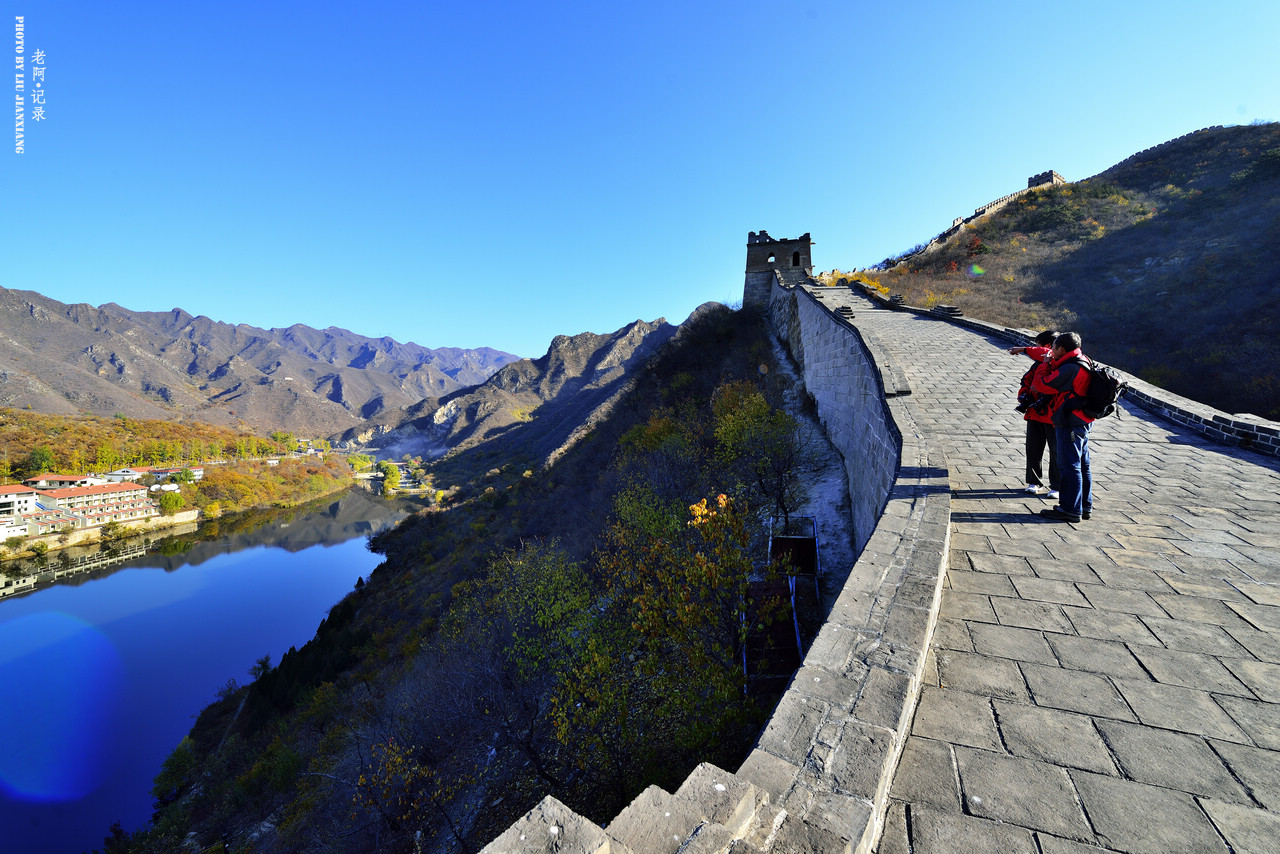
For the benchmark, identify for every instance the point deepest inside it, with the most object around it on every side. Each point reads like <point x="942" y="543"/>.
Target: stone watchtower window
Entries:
<point x="795" y="259"/>
<point x="771" y="257"/>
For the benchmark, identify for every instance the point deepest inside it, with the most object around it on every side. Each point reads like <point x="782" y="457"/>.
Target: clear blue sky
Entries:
<point x="496" y="173"/>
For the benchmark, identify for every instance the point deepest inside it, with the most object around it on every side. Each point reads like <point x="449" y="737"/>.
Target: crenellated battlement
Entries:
<point x="766" y="254"/>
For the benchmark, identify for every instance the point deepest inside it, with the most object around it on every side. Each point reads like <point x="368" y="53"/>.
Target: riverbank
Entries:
<point x="52" y="542"/>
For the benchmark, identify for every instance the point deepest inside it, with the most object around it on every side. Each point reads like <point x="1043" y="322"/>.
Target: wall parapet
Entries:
<point x="1240" y="430"/>
<point x="1049" y="178"/>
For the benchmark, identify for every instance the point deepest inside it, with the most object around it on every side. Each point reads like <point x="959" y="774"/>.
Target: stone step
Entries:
<point x="654" y="823"/>
<point x="708" y="838"/>
<point x="759" y="835"/>
<point x="722" y="798"/>
<point x="553" y="827"/>
<point x="708" y="814"/>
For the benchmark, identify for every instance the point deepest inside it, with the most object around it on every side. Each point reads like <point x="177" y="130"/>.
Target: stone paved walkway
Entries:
<point x="1109" y="684"/>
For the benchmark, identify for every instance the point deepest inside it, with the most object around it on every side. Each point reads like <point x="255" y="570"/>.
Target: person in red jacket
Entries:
<point x="1039" y="419"/>
<point x="1067" y="379"/>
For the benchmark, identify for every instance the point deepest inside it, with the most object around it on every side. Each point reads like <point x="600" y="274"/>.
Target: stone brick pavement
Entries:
<point x="1110" y="684"/>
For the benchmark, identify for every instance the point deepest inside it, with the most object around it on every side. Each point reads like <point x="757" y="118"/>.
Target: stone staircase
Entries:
<point x="713" y="812"/>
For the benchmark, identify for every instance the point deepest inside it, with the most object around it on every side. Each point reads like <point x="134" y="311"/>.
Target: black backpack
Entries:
<point x="1103" y="395"/>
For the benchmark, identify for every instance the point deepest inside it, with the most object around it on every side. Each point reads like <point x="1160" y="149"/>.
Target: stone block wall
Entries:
<point x="1035" y="182"/>
<point x="1149" y="152"/>
<point x="1050" y="177"/>
<point x="766" y="254"/>
<point x="849" y="390"/>
<point x="755" y="293"/>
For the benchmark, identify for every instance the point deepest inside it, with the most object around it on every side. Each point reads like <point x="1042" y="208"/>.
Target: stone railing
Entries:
<point x="1035" y="182"/>
<point x="818" y="777"/>
<point x="1148" y="152"/>
<point x="1245" y="431"/>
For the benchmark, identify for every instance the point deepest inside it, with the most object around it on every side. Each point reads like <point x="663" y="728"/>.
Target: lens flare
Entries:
<point x="58" y="747"/>
<point x="975" y="270"/>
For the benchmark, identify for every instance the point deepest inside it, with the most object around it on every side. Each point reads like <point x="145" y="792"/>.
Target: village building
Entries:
<point x="197" y="472"/>
<point x="48" y="480"/>
<point x="15" y="502"/>
<point x="93" y="506"/>
<point x="27" y="511"/>
<point x="136" y="473"/>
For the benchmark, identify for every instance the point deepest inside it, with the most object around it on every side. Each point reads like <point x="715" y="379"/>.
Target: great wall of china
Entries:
<point x="985" y="680"/>
<point x="1049" y="178"/>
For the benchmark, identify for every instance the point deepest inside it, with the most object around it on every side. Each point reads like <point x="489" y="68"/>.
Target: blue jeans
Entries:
<point x="1075" y="492"/>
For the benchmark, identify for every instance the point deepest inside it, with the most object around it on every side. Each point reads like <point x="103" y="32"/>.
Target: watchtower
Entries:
<point x="764" y="256"/>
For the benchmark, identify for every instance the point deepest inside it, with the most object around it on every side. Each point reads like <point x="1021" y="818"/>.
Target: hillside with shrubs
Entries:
<point x="1166" y="264"/>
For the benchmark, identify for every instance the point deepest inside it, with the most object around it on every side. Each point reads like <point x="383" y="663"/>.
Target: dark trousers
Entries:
<point x="1040" y="436"/>
<point x="1077" y="479"/>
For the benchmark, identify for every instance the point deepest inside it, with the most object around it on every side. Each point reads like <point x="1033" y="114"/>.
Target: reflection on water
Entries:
<point x="26" y="576"/>
<point x="103" y="668"/>
<point x="357" y="513"/>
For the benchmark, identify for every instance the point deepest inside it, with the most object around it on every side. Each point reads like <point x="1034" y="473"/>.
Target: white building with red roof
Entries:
<point x="15" y="502"/>
<point x="98" y="505"/>
<point x="27" y="511"/>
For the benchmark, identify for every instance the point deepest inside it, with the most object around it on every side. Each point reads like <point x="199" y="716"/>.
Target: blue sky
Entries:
<point x="497" y="173"/>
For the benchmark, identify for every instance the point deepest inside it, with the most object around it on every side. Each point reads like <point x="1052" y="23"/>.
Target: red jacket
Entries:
<point x="1065" y="380"/>
<point x="1040" y="368"/>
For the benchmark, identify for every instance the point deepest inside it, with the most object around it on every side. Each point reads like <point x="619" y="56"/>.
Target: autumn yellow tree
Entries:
<point x="661" y="674"/>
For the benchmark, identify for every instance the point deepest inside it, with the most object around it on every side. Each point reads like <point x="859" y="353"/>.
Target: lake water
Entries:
<point x="102" y="677"/>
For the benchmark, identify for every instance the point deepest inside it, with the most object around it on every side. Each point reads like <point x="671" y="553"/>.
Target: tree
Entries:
<point x="175" y="772"/>
<point x="521" y="622"/>
<point x="184" y="476"/>
<point x="403" y="791"/>
<point x="170" y="503"/>
<point x="758" y="447"/>
<point x="40" y="460"/>
<point x="688" y="600"/>
<point x="107" y="458"/>
<point x="390" y="474"/>
<point x="261" y="667"/>
<point x="14" y="544"/>
<point x="667" y="647"/>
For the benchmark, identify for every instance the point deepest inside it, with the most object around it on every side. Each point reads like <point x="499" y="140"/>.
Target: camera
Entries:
<point x="1038" y="402"/>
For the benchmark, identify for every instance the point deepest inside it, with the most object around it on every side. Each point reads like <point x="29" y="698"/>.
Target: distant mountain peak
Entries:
<point x="174" y="365"/>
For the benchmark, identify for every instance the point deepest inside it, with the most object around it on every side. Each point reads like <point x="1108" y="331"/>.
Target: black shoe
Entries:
<point x="1057" y="514"/>
<point x="1086" y="514"/>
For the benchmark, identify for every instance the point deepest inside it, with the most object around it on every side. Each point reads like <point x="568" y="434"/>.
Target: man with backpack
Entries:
<point x="1067" y="380"/>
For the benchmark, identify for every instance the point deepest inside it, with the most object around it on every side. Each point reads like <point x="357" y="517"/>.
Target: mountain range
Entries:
<point x="78" y="359"/>
<point x="531" y="408"/>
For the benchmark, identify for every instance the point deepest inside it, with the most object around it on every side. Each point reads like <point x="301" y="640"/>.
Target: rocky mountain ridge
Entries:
<point x="73" y="359"/>
<point x="533" y="407"/>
